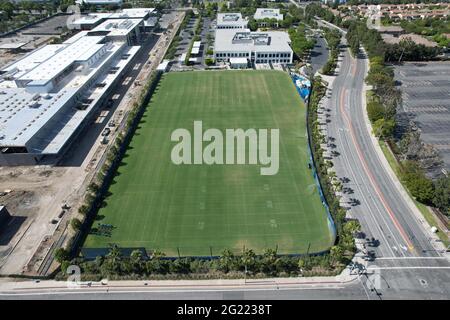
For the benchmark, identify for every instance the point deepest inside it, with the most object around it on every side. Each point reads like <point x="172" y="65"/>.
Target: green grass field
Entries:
<point x="156" y="204"/>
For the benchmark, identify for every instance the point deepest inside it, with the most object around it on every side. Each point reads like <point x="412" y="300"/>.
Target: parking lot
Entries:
<point x="186" y="36"/>
<point x="426" y="101"/>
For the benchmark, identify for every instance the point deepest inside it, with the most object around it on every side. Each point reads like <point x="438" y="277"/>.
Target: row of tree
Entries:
<point x="138" y="265"/>
<point x="345" y="228"/>
<point x="300" y="44"/>
<point x="408" y="50"/>
<point x="333" y="38"/>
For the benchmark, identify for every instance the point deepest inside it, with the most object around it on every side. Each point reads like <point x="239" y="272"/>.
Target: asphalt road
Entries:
<point x="398" y="280"/>
<point x="319" y="55"/>
<point x="382" y="209"/>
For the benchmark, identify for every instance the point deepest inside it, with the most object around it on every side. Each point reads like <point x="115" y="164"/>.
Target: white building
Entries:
<point x="268" y="13"/>
<point x="127" y="30"/>
<point x="231" y="21"/>
<point x="92" y="20"/>
<point x="256" y="47"/>
<point x="48" y="96"/>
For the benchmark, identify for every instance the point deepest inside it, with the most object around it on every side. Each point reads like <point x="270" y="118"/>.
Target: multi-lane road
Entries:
<point x="384" y="210"/>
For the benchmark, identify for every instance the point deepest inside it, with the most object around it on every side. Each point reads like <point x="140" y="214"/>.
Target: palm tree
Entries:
<point x="336" y="253"/>
<point x="352" y="226"/>
<point x="93" y="187"/>
<point x="158" y="254"/>
<point x="114" y="257"/>
<point x="226" y="260"/>
<point x="248" y="258"/>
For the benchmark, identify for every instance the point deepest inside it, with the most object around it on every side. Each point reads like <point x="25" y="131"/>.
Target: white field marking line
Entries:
<point x="110" y="290"/>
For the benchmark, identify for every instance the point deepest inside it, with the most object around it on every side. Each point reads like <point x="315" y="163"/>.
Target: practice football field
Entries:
<point x="203" y="209"/>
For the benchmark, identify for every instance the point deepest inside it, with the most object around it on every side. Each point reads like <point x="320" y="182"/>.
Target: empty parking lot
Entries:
<point x="426" y="101"/>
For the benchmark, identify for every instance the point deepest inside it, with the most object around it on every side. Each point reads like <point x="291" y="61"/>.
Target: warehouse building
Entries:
<point x="92" y="20"/>
<point x="256" y="47"/>
<point x="126" y="30"/>
<point x="231" y="21"/>
<point x="48" y="96"/>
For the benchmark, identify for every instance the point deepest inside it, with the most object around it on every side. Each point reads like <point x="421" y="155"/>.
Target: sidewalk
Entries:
<point x="14" y="285"/>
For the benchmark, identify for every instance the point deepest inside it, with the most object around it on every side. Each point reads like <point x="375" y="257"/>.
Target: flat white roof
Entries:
<point x="44" y="122"/>
<point x="92" y="18"/>
<point x="75" y="37"/>
<point x="197" y="44"/>
<point x="195" y="50"/>
<point x="33" y="59"/>
<point x="163" y="65"/>
<point x="50" y="68"/>
<point x="231" y="19"/>
<point x="12" y="45"/>
<point x="268" y="13"/>
<point x="132" y="13"/>
<point x="117" y="27"/>
<point x="232" y="40"/>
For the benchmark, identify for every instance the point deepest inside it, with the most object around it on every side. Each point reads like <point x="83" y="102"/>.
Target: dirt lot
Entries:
<point x="36" y="197"/>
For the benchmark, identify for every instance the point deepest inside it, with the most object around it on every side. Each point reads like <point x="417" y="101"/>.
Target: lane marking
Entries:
<point x="376" y="205"/>
<point x="403" y="268"/>
<point x="370" y="175"/>
<point x="273" y="287"/>
<point x="411" y="258"/>
<point x="358" y="187"/>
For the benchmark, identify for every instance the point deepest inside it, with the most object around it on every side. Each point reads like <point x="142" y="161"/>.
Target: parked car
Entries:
<point x="106" y="132"/>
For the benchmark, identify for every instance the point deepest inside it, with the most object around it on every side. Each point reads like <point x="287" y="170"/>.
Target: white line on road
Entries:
<point x="149" y="290"/>
<point x="404" y="258"/>
<point x="404" y="268"/>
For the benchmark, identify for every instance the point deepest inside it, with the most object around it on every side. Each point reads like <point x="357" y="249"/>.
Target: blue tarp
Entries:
<point x="304" y="88"/>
